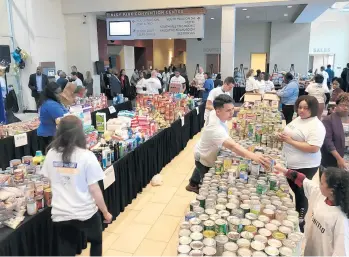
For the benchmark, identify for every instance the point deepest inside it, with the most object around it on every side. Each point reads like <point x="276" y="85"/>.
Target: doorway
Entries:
<point x="259" y="61"/>
<point x="213" y="63"/>
<point x="318" y="60"/>
<point x="140" y="58"/>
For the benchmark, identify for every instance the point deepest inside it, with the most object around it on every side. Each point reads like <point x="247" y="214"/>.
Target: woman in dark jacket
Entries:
<point x="218" y="81"/>
<point x="126" y="88"/>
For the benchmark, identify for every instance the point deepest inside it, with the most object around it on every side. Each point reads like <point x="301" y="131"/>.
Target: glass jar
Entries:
<point x="31" y="206"/>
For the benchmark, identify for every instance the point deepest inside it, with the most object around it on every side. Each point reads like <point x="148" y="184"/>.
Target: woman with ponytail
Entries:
<point x="327" y="226"/>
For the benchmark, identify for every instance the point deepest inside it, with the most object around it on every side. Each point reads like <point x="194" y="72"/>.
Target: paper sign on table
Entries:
<point x="21" y="139"/>
<point x="197" y="110"/>
<point x="111" y="109"/>
<point x="109" y="177"/>
<point x="182" y="119"/>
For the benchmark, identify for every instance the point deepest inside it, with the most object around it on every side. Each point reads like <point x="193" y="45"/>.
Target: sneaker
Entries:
<point x="191" y="188"/>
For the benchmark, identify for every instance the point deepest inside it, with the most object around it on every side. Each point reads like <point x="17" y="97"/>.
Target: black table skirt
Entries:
<point x="8" y="151"/>
<point x="119" y="107"/>
<point x="37" y="235"/>
<point x="238" y="92"/>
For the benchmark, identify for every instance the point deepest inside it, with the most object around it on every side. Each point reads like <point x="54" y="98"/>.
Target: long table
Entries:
<point x="37" y="236"/>
<point x="8" y="151"/>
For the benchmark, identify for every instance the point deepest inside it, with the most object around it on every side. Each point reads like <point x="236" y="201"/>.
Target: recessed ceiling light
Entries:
<point x="289" y="6"/>
<point x="247" y="17"/>
<point x="212" y="18"/>
<point x="170" y="38"/>
<point x="245" y="9"/>
<point x="285" y="14"/>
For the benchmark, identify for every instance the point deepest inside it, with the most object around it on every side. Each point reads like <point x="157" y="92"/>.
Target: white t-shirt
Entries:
<point x="139" y="86"/>
<point x="318" y="91"/>
<point x="326" y="227"/>
<point x="211" y="97"/>
<point x="309" y="130"/>
<point x="325" y="75"/>
<point x="179" y="80"/>
<point x="78" y="82"/>
<point x="200" y="79"/>
<point x="3" y="87"/>
<point x="212" y="139"/>
<point x="251" y="84"/>
<point x="261" y="86"/>
<point x="71" y="198"/>
<point x="269" y="86"/>
<point x="153" y="85"/>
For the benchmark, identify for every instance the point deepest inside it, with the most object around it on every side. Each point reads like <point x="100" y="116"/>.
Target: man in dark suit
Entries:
<point x="37" y="84"/>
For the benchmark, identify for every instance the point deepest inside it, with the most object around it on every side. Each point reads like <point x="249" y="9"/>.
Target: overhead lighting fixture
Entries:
<point x="212" y="18"/>
<point x="247" y="17"/>
<point x="245" y="9"/>
<point x="285" y="14"/>
<point x="289" y="6"/>
<point x="170" y="38"/>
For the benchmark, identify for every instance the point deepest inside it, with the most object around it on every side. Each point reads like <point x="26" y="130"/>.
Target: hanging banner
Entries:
<point x="156" y="24"/>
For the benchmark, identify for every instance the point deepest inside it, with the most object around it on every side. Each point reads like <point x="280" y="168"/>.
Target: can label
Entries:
<point x="221" y="227"/>
<point x="209" y="225"/>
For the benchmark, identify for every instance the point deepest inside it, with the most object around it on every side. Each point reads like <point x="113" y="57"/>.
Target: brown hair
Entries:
<point x="249" y="73"/>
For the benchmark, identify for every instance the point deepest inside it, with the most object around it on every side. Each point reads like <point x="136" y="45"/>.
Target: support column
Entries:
<point x="82" y="45"/>
<point x="228" y="41"/>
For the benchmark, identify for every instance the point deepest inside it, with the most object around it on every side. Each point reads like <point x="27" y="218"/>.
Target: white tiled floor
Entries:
<point x="149" y="226"/>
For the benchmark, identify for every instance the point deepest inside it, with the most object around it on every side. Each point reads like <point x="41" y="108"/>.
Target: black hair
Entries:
<point x="165" y="69"/>
<point x="322" y="68"/>
<point x="338" y="181"/>
<point x="266" y="76"/>
<point x="329" y="66"/>
<point x="208" y="74"/>
<point x="221" y="100"/>
<point x="312" y="103"/>
<point x="348" y="65"/>
<point x="121" y="71"/>
<point x="319" y="78"/>
<point x="74" y="73"/>
<point x="258" y="71"/>
<point x="69" y="135"/>
<point x="49" y="93"/>
<point x="134" y="70"/>
<point x="342" y="98"/>
<point x="229" y="80"/>
<point x="218" y="76"/>
<point x="288" y="76"/>
<point x="339" y="80"/>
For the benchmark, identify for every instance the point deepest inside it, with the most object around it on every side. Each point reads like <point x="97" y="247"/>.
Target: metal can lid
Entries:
<point x="195" y="253"/>
<point x="184" y="249"/>
<point x="258" y="224"/>
<point x="257" y="245"/>
<point x="214" y="217"/>
<point x="264" y="232"/>
<point x="275" y="222"/>
<point x="209" y="251"/>
<point x="221" y="239"/>
<point x="244" y="252"/>
<point x="244" y="243"/>
<point x="245" y="222"/>
<point x="231" y="247"/>
<point x="274" y="243"/>
<point x="196" y="245"/>
<point x="285" y="251"/>
<point x="261" y="239"/>
<point x="204" y="217"/>
<point x="185" y="240"/>
<point x="196" y="228"/>
<point x="221" y="222"/>
<point x="259" y="254"/>
<point x="209" y="242"/>
<point x="271" y="251"/>
<point x="251" y="216"/>
<point x="210" y="211"/>
<point x="185" y="225"/>
<point x="227" y="253"/>
<point x="194" y="221"/>
<point x="209" y="223"/>
<point x="184" y="232"/>
<point x="285" y="230"/>
<point x="196" y="236"/>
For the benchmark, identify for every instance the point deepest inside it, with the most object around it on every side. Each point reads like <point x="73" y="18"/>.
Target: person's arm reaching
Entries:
<point x="239" y="150"/>
<point x="209" y="105"/>
<point x="97" y="195"/>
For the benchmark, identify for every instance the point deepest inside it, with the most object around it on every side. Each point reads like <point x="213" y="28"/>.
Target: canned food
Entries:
<point x="230" y="207"/>
<point x="226" y="253"/>
<point x="194" y="204"/>
<point x="201" y="200"/>
<point x="275" y="222"/>
<point x="189" y="215"/>
<point x="261" y="239"/>
<point x="183" y="249"/>
<point x="185" y="225"/>
<point x="285" y="251"/>
<point x="257" y="245"/>
<point x="203" y="217"/>
<point x="221" y="227"/>
<point x="269" y="213"/>
<point x="258" y="224"/>
<point x="209" y="234"/>
<point x="247" y="235"/>
<point x="289" y="243"/>
<point x="231" y="247"/>
<point x="220" y="207"/>
<point x="274" y="243"/>
<point x="250" y="228"/>
<point x="209" y="251"/>
<point x="251" y="216"/>
<point x="278" y="235"/>
<point x="288" y="224"/>
<point x="233" y="236"/>
<point x="196" y="228"/>
<point x="271" y="251"/>
<point x="245" y="208"/>
<point x="209" y="225"/>
<point x="243" y="243"/>
<point x="244" y="252"/>
<point x="196" y="236"/>
<point x="259" y="254"/>
<point x="214" y="217"/>
<point x="218" y="167"/>
<point x="198" y="211"/>
<point x="264" y="232"/>
<point x="195" y="253"/>
<point x="185" y="240"/>
<point x="195" y="221"/>
<point x="184" y="232"/>
<point x="209" y="242"/>
<point x="196" y="245"/>
<point x="210" y="211"/>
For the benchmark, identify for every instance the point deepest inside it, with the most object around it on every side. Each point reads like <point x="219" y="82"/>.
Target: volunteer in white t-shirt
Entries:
<point x="228" y="85"/>
<point x="214" y="136"/>
<point x="74" y="173"/>
<point x="179" y="80"/>
<point x="269" y="85"/>
<point x="324" y="74"/>
<point x="153" y="84"/>
<point x="76" y="80"/>
<point x="303" y="138"/>
<point x="260" y="83"/>
<point x="200" y="81"/>
<point x="140" y="86"/>
<point x="251" y="85"/>
<point x="320" y="91"/>
<point x="327" y="221"/>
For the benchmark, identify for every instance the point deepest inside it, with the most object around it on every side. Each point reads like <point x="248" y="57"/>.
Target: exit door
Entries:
<point x="259" y="61"/>
<point x="213" y="63"/>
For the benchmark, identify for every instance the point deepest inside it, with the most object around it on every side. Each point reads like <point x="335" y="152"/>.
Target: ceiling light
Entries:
<point x="245" y="9"/>
<point x="289" y="6"/>
<point x="247" y="17"/>
<point x="212" y="18"/>
<point x="285" y="14"/>
<point x="170" y="38"/>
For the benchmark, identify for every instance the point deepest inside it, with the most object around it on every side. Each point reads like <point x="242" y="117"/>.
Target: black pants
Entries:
<point x="70" y="232"/>
<point x="198" y="173"/>
<point x="301" y="200"/>
<point x="288" y="111"/>
<point x="44" y="142"/>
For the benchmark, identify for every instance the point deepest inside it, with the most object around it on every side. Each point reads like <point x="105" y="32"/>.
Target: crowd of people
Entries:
<point x="310" y="144"/>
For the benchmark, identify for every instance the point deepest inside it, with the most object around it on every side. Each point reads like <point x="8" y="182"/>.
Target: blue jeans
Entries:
<point x="198" y="173"/>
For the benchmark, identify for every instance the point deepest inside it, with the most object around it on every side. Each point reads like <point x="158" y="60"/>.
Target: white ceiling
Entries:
<point x="279" y="13"/>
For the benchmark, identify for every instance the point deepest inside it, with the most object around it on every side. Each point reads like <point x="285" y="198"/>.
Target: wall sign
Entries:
<point x="156" y="24"/>
<point x="321" y="50"/>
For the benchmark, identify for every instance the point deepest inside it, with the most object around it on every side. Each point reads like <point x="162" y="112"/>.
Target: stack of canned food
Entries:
<point x="245" y="215"/>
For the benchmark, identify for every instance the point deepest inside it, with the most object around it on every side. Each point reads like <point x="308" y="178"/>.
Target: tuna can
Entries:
<point x="259" y="254"/>
<point x="240" y="213"/>
<point x="258" y="224"/>
<point x="235" y="225"/>
<point x="230" y="207"/>
<point x="261" y="239"/>
<point x="222" y="201"/>
<point x="221" y="240"/>
<point x="220" y="207"/>
<point x="196" y="236"/>
<point x="189" y="215"/>
<point x="257" y="246"/>
<point x="185" y="225"/>
<point x="203" y="217"/>
<point x="252" y="229"/>
<point x="276" y="222"/>
<point x="243" y="176"/>
<point x="210" y="211"/>
<point x="201" y="200"/>
<point x="183" y="249"/>
<point x="271" y="251"/>
<point x="184" y="240"/>
<point x="255" y="207"/>
<point x="210" y="203"/>
<point x="233" y="236"/>
<point x="224" y="214"/>
<point x="194" y="204"/>
<point x="198" y="211"/>
<point x="230" y="254"/>
<point x="209" y="251"/>
<point x="195" y="221"/>
<point x="243" y="243"/>
<point x="274" y="243"/>
<point x="255" y="168"/>
<point x="196" y="245"/>
<point x="184" y="232"/>
<point x="218" y="167"/>
<point x="247" y="235"/>
<point x="209" y="242"/>
<point x="209" y="225"/>
<point x="196" y="228"/>
<point x="231" y="247"/>
<point x="285" y="251"/>
<point x="214" y="217"/>
<point x="245" y="208"/>
<point x="264" y="232"/>
<point x="209" y="234"/>
<point x="196" y="253"/>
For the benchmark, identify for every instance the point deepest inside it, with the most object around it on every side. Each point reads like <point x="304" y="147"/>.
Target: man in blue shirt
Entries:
<point x="37" y="84"/>
<point x="208" y="86"/>
<point x="330" y="73"/>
